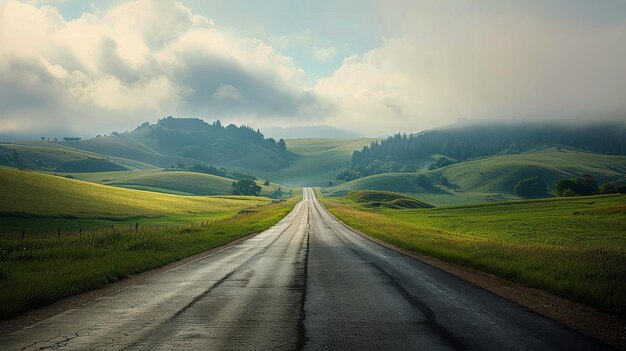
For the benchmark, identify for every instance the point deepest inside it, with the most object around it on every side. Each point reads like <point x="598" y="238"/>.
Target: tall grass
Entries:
<point x="591" y="269"/>
<point x="38" y="271"/>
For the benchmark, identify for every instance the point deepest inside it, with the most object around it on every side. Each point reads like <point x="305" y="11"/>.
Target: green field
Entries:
<point x="574" y="247"/>
<point x="172" y="182"/>
<point x="316" y="161"/>
<point x="38" y="271"/>
<point x="41" y="203"/>
<point x="63" y="157"/>
<point x="493" y="178"/>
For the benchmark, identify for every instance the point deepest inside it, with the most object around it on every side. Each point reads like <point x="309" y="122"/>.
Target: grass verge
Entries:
<point x="573" y="248"/>
<point x="38" y="271"/>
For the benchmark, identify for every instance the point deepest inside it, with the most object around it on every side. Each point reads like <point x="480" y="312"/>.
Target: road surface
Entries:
<point x="309" y="282"/>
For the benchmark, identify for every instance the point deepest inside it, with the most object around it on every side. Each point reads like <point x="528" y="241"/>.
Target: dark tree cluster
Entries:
<point x="531" y="187"/>
<point x="579" y="186"/>
<point x="246" y="187"/>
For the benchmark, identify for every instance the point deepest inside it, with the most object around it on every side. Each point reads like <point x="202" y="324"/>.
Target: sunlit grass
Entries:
<point x="41" y="203"/>
<point x="37" y="271"/>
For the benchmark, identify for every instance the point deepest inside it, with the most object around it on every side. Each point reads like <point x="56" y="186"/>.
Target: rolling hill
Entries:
<point x="61" y="157"/>
<point x="172" y="182"/>
<point x="35" y="201"/>
<point x="493" y="178"/>
<point x="193" y="141"/>
<point x="316" y="161"/>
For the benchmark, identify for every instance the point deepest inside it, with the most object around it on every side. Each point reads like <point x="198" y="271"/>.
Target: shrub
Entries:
<point x="585" y="185"/>
<point x="530" y="187"/>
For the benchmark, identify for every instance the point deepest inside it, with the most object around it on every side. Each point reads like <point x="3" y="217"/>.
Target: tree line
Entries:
<point x="397" y="152"/>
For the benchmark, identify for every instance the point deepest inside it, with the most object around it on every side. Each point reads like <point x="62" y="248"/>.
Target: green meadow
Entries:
<point x="38" y="271"/>
<point x="316" y="161"/>
<point x="41" y="204"/>
<point x="172" y="182"/>
<point x="572" y="247"/>
<point x="107" y="233"/>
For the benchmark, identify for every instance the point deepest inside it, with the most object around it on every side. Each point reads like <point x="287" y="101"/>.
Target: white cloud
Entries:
<point x="141" y="58"/>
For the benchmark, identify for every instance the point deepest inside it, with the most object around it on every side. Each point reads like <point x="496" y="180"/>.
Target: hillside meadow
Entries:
<point x="574" y="247"/>
<point x="106" y="233"/>
<point x="173" y="182"/>
<point x="492" y="178"/>
<point x="41" y="203"/>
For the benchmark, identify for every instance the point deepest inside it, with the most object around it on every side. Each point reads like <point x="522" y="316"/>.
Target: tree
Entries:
<point x="43" y="138"/>
<point x="608" y="188"/>
<point x="181" y="165"/>
<point x="584" y="185"/>
<point x="282" y="145"/>
<point x="621" y="189"/>
<point x="246" y="187"/>
<point x="530" y="187"/>
<point x="266" y="183"/>
<point x="278" y="193"/>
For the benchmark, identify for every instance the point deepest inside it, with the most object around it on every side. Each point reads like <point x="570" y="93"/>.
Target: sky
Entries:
<point x="74" y="67"/>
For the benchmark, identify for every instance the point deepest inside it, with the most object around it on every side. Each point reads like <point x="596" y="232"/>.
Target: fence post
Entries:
<point x="23" y="233"/>
<point x="136" y="227"/>
<point x="80" y="231"/>
<point x="59" y="233"/>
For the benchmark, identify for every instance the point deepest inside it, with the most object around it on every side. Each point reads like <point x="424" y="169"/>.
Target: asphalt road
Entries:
<point x="307" y="283"/>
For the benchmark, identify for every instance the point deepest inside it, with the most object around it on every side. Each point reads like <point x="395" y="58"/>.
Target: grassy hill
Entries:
<point x="61" y="157"/>
<point x="126" y="146"/>
<point x="41" y="202"/>
<point x="171" y="182"/>
<point x="315" y="161"/>
<point x="501" y="173"/>
<point x="386" y="199"/>
<point x="493" y="178"/>
<point x="192" y="141"/>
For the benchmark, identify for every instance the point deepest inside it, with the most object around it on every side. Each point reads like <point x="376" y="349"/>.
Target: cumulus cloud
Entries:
<point x="140" y="59"/>
<point x="439" y="61"/>
<point x="491" y="60"/>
